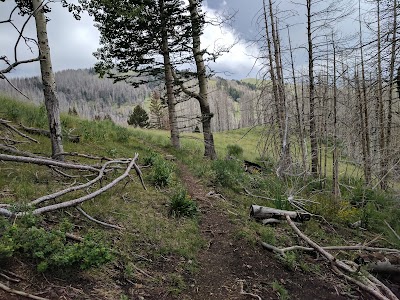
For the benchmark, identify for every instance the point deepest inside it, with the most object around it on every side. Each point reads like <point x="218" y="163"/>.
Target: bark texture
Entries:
<point x="50" y="95"/>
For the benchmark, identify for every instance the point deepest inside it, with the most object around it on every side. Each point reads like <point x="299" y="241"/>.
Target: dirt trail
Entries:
<point x="229" y="260"/>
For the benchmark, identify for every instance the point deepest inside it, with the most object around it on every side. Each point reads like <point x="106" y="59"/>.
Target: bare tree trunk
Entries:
<point x="380" y="111"/>
<point x="299" y="118"/>
<point x="272" y="73"/>
<point x="169" y="81"/>
<point x="365" y="114"/>
<point x="50" y="95"/>
<point x="279" y="81"/>
<point x="335" y="158"/>
<point x="391" y="80"/>
<point x="206" y="114"/>
<point x="313" y="129"/>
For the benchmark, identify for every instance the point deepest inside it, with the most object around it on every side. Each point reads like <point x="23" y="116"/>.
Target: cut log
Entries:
<point x="263" y="212"/>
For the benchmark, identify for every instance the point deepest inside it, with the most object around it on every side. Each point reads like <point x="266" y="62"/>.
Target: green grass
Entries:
<point x="150" y="230"/>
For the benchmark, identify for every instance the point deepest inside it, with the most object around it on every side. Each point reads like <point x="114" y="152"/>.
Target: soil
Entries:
<point x="228" y="268"/>
<point x="228" y="261"/>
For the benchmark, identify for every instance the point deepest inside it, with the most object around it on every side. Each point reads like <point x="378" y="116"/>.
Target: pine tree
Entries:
<point x="157" y="111"/>
<point x="138" y="117"/>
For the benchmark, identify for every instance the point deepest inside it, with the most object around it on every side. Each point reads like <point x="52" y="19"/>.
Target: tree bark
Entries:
<point x="263" y="212"/>
<point x="335" y="158"/>
<point x="299" y="118"/>
<point x="391" y="81"/>
<point x="365" y="113"/>
<point x="206" y="114"/>
<point x="382" y="151"/>
<point x="50" y="95"/>
<point x="272" y="73"/>
<point x="169" y="80"/>
<point x="313" y="130"/>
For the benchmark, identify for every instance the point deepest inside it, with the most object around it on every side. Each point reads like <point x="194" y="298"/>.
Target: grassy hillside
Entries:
<point x="157" y="252"/>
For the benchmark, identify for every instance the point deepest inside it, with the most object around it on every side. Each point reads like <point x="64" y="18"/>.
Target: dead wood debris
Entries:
<point x="20" y="293"/>
<point x="347" y="270"/>
<point x="242" y="292"/>
<point x="98" y="221"/>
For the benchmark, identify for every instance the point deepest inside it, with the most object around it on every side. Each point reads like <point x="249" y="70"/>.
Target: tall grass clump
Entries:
<point x="235" y="151"/>
<point x="182" y="205"/>
<point x="228" y="173"/>
<point x="162" y="172"/>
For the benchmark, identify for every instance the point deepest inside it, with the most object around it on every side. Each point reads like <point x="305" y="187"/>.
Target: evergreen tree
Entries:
<point x="157" y="111"/>
<point x="138" y="117"/>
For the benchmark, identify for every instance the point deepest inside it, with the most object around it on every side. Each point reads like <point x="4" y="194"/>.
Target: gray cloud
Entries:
<point x="73" y="42"/>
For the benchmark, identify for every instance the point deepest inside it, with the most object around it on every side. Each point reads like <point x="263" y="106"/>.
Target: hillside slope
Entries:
<point x="188" y="236"/>
<point x="233" y="102"/>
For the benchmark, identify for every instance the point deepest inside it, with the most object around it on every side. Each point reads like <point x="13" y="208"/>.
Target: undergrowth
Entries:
<point x="49" y="248"/>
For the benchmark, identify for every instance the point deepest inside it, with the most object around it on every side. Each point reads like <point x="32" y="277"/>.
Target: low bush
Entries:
<point x="235" y="151"/>
<point x="182" y="205"/>
<point x="50" y="249"/>
<point x="228" y="173"/>
<point x="162" y="172"/>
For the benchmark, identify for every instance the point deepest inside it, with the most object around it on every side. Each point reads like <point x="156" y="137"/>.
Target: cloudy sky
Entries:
<point x="73" y="42"/>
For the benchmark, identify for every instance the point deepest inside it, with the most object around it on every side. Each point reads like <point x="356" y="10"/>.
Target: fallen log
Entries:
<point x="263" y="212"/>
<point x="38" y="131"/>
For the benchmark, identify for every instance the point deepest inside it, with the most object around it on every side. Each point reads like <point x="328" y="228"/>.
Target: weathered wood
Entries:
<point x="38" y="131"/>
<point x="263" y="212"/>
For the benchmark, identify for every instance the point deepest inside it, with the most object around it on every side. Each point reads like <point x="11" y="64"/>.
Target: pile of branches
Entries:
<point x="11" y="136"/>
<point x="349" y="270"/>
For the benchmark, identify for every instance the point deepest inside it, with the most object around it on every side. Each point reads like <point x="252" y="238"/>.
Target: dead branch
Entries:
<point x="20" y="293"/>
<point x="139" y="174"/>
<point x="348" y="248"/>
<point x="73" y="188"/>
<point x="81" y="155"/>
<point x="11" y="141"/>
<point x="392" y="230"/>
<point x="242" y="292"/>
<point x="336" y="264"/>
<point x="74" y="237"/>
<point x="9" y="278"/>
<point x="38" y="131"/>
<point x="385" y="289"/>
<point x="9" y="126"/>
<point x="11" y="150"/>
<point x="98" y="221"/>
<point x="73" y="202"/>
<point x="318" y="248"/>
<point x="257" y="196"/>
<point x="46" y="162"/>
<point x="13" y="86"/>
<point x="79" y="200"/>
<point x="370" y="289"/>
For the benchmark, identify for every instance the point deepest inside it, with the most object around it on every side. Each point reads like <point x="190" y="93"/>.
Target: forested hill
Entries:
<point x="233" y="102"/>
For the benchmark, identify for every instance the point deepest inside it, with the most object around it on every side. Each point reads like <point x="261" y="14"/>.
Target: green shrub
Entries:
<point x="50" y="248"/>
<point x="235" y="151"/>
<point x="228" y="173"/>
<point x="162" y="172"/>
<point x="150" y="158"/>
<point x="182" y="205"/>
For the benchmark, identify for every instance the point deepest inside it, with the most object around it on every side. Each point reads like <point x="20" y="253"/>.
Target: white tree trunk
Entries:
<point x="50" y="96"/>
